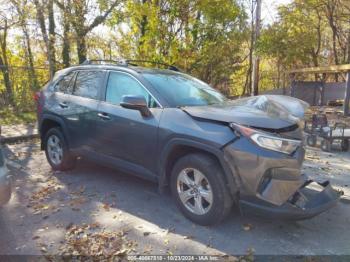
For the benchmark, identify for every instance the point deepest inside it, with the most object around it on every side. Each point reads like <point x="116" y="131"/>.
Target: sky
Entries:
<point x="269" y="10"/>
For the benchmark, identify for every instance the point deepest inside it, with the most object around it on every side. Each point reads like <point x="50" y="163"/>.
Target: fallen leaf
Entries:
<point x="106" y="207"/>
<point x="247" y="227"/>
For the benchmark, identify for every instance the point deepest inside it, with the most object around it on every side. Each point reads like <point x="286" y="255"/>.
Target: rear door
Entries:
<point x="58" y="101"/>
<point x="123" y="133"/>
<point x="61" y="96"/>
<point x="84" y="102"/>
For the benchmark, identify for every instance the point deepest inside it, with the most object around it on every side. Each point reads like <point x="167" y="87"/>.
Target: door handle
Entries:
<point x="63" y="105"/>
<point x="104" y="116"/>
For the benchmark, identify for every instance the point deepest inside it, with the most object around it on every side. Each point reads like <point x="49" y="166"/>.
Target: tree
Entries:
<point x="49" y="37"/>
<point x="22" y="11"/>
<point x="77" y="13"/>
<point x="187" y="33"/>
<point x="4" y="65"/>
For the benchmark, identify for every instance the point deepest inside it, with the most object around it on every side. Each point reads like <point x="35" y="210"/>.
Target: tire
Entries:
<point x="213" y="181"/>
<point x="60" y="160"/>
<point x="326" y="145"/>
<point x="311" y="140"/>
<point x="344" y="145"/>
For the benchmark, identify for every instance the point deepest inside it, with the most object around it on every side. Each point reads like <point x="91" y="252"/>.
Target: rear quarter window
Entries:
<point x="88" y="84"/>
<point x="65" y="85"/>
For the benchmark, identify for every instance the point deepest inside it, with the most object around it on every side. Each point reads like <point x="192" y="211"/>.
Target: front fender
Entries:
<point x="218" y="153"/>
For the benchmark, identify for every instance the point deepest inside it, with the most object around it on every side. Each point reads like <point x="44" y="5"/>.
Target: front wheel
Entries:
<point x="57" y="152"/>
<point x="344" y="145"/>
<point x="199" y="189"/>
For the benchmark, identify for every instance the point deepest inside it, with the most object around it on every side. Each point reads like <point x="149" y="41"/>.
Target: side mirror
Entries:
<point x="136" y="103"/>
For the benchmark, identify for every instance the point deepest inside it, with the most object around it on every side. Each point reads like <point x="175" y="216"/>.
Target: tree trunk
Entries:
<point x="143" y="26"/>
<point x="81" y="47"/>
<point x="31" y="72"/>
<point x="248" y="82"/>
<point x="330" y="16"/>
<point x="348" y="44"/>
<point x="8" y="85"/>
<point x="4" y="66"/>
<point x="52" y="38"/>
<point x="66" y="40"/>
<point x="47" y="39"/>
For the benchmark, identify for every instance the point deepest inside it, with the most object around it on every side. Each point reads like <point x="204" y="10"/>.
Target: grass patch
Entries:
<point x="10" y="117"/>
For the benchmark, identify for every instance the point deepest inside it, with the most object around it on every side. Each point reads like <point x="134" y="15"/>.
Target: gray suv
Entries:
<point x="175" y="130"/>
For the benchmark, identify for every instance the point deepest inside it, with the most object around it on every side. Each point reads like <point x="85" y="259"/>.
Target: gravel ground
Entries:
<point x="50" y="210"/>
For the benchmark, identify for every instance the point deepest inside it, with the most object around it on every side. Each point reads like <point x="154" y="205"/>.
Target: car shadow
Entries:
<point x="140" y="199"/>
<point x="235" y="235"/>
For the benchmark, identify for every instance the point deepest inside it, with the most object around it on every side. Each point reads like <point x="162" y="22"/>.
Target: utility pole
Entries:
<point x="256" y="59"/>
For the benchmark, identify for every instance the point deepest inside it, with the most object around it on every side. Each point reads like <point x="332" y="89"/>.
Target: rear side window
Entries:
<point x="65" y="85"/>
<point x="88" y="83"/>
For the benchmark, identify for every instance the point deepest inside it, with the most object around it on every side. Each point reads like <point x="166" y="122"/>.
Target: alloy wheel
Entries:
<point x="55" y="150"/>
<point x="194" y="191"/>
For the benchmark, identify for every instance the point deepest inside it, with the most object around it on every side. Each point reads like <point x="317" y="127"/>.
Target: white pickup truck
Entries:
<point x="5" y="186"/>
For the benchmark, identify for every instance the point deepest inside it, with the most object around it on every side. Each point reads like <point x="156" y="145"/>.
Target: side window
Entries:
<point x="87" y="83"/>
<point x="65" y="85"/>
<point x="120" y="84"/>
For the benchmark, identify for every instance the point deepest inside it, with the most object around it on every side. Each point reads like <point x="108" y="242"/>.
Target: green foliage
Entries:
<point x="208" y="39"/>
<point x="9" y="117"/>
<point x="203" y="37"/>
<point x="302" y="36"/>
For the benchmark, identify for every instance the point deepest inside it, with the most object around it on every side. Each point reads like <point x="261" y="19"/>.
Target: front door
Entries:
<point x="125" y="134"/>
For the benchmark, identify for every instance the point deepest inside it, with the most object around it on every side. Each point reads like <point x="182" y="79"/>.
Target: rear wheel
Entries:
<point x="198" y="187"/>
<point x="326" y="145"/>
<point x="311" y="140"/>
<point x="344" y="145"/>
<point x="57" y="152"/>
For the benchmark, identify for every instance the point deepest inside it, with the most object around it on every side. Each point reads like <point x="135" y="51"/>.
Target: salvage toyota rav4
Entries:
<point x="176" y="130"/>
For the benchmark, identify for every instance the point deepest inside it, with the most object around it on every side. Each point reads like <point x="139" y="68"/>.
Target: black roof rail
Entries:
<point x="134" y="63"/>
<point x="104" y="61"/>
<point x="126" y="62"/>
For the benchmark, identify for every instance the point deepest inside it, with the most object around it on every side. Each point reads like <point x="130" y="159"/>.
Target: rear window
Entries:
<point x="65" y="85"/>
<point x="88" y="83"/>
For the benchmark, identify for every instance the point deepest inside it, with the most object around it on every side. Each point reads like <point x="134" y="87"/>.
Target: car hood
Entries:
<point x="265" y="111"/>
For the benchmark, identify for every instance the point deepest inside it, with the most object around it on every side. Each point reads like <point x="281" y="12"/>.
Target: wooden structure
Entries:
<point x="325" y="71"/>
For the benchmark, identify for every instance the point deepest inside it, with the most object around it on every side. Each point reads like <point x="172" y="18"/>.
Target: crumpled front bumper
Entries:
<point x="270" y="184"/>
<point x="306" y="202"/>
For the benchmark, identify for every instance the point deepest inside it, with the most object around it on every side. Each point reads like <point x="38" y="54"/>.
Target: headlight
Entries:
<point x="287" y="146"/>
<point x="283" y="145"/>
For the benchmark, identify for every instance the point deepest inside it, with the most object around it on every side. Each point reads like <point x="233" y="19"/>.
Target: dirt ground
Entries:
<point x="97" y="210"/>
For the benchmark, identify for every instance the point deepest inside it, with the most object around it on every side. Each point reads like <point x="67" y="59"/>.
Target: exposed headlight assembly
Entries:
<point x="283" y="145"/>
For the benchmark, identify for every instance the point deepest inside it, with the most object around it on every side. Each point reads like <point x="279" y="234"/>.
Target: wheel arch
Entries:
<point x="177" y="148"/>
<point x="48" y="122"/>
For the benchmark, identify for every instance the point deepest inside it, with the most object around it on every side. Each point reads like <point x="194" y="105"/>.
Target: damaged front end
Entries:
<point x="309" y="200"/>
<point x="266" y="163"/>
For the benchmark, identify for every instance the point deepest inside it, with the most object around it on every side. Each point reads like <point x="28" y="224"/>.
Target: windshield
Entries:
<point x="183" y="90"/>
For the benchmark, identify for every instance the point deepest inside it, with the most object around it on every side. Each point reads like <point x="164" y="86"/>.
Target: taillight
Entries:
<point x="37" y="96"/>
<point x="39" y="99"/>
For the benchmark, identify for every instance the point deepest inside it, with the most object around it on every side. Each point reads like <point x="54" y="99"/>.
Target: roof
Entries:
<point x="322" y="69"/>
<point x="138" y="69"/>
